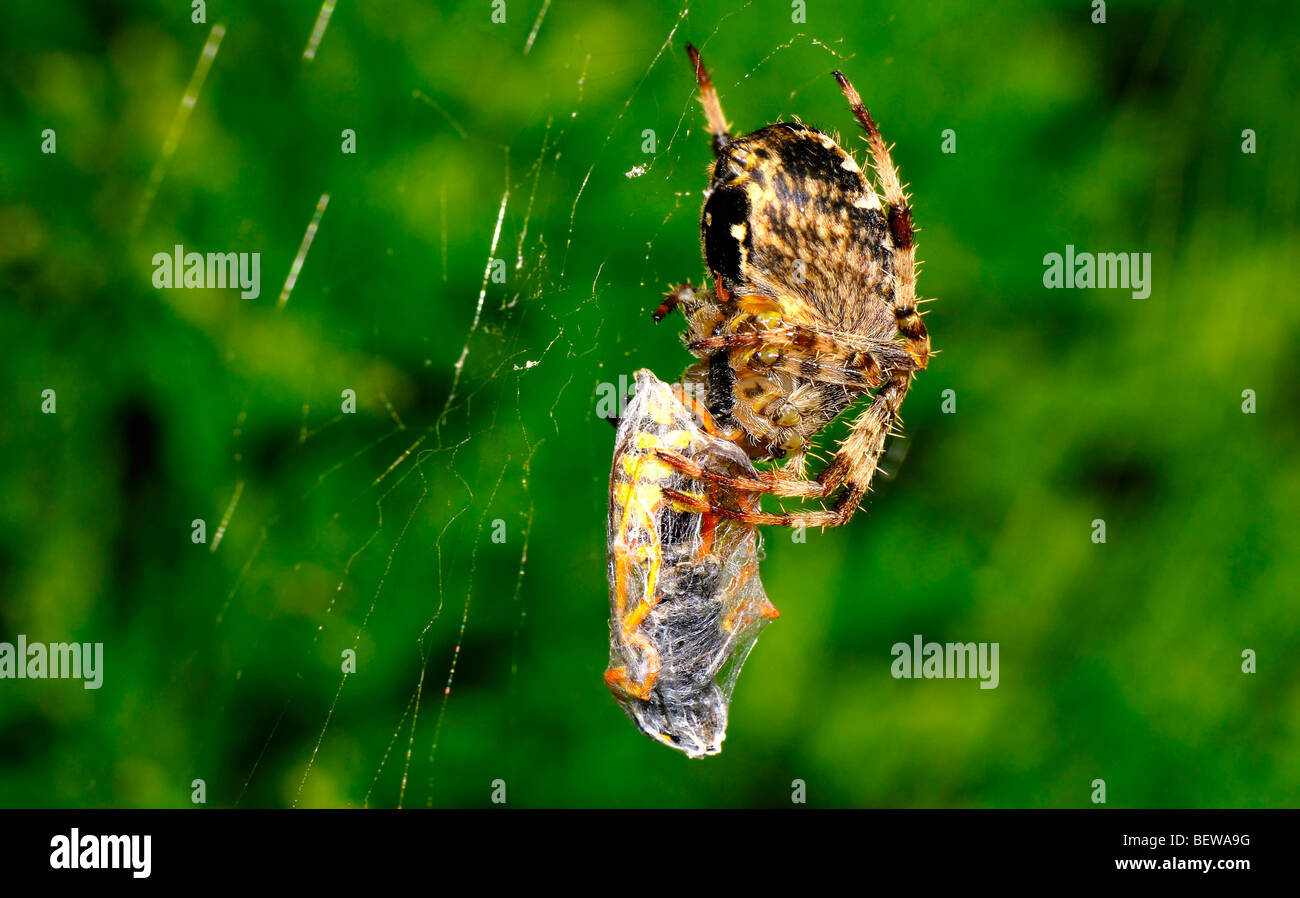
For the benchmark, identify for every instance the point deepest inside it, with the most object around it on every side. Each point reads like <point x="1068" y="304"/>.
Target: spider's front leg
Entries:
<point x="850" y="472"/>
<point x="778" y="483"/>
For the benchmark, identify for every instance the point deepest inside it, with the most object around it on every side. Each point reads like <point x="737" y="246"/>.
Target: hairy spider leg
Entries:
<point x="850" y="473"/>
<point x="709" y="99"/>
<point x="910" y="323"/>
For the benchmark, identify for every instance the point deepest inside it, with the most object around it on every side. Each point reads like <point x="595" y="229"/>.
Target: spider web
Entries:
<point x="406" y="535"/>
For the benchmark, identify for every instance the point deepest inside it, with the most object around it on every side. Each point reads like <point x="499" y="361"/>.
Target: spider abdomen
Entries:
<point x="792" y="218"/>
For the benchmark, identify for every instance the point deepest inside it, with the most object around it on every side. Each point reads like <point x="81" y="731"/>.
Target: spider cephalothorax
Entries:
<point x="813" y="306"/>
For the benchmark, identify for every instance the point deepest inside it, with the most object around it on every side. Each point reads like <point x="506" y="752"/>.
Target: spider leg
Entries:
<point x="851" y="471"/>
<point x="823" y="518"/>
<point x="844" y="369"/>
<point x="820" y="357"/>
<point x="686" y="296"/>
<point x="699" y="307"/>
<point x="681" y="295"/>
<point x="842" y="359"/>
<point x="771" y="483"/>
<point x="908" y="319"/>
<point x="709" y="98"/>
<point x="671" y="301"/>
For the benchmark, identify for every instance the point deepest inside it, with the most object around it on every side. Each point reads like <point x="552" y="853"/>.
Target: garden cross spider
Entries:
<point x="814" y="282"/>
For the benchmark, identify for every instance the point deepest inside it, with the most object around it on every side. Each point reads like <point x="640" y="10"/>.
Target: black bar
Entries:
<point x="303" y="848"/>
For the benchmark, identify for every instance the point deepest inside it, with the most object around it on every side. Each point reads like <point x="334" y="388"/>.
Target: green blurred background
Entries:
<point x="1119" y="661"/>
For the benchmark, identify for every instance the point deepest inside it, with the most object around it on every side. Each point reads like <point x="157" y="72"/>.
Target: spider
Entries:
<point x="814" y="282"/>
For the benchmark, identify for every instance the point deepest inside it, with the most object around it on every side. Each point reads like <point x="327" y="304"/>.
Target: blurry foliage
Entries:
<point x="1119" y="661"/>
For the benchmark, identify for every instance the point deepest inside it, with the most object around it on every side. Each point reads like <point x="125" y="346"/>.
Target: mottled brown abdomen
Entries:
<point x="792" y="218"/>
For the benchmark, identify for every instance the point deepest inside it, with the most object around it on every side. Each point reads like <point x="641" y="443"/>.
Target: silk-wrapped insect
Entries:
<point x="686" y="600"/>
